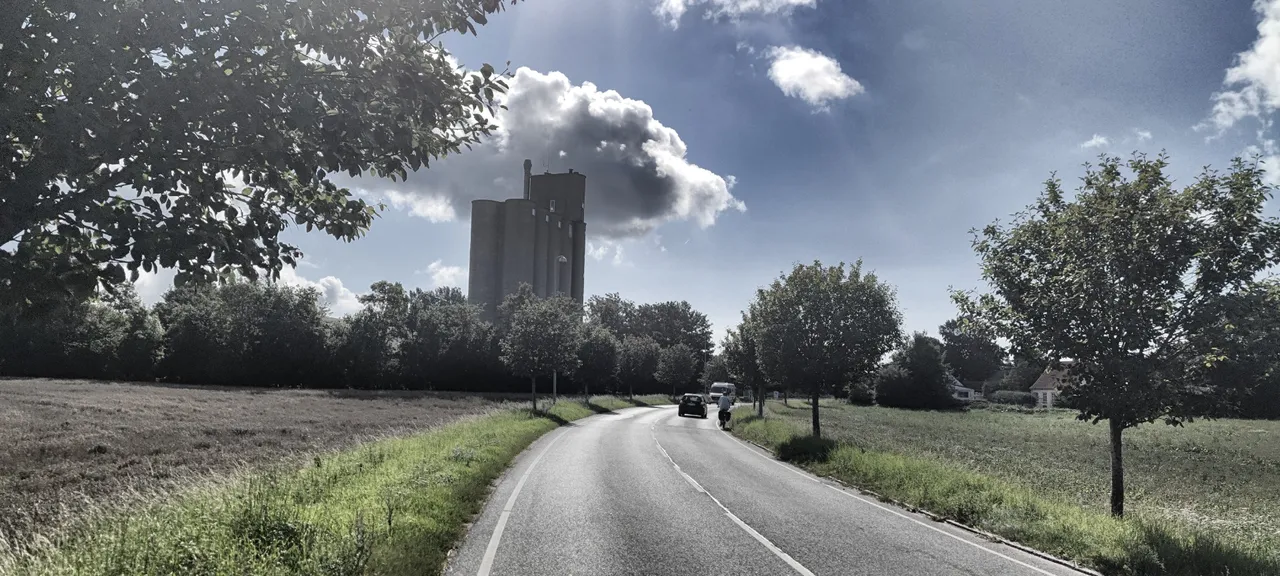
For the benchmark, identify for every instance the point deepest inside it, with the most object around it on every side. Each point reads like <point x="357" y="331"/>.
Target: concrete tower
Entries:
<point x="539" y="239"/>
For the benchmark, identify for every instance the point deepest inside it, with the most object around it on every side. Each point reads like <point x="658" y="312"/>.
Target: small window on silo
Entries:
<point x="553" y="205"/>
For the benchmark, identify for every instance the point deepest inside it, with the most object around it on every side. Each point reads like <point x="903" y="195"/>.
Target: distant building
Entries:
<point x="540" y="240"/>
<point x="960" y="391"/>
<point x="1048" y="386"/>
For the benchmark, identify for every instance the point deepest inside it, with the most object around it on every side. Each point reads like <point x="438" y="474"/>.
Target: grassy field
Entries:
<point x="389" y="506"/>
<point x="1203" y="499"/>
<point x="68" y="444"/>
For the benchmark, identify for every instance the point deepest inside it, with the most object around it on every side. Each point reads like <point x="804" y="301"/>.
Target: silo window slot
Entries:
<point x="553" y="205"/>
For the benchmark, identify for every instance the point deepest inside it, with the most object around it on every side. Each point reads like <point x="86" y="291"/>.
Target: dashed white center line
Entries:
<point x="799" y="568"/>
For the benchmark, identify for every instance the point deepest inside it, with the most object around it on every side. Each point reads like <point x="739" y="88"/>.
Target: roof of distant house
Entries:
<point x="1050" y="379"/>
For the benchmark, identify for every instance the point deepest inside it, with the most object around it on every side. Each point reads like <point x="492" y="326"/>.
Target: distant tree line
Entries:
<point x="247" y="333"/>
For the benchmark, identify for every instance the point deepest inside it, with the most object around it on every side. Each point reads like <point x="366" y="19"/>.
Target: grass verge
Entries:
<point x="611" y="403"/>
<point x="389" y="507"/>
<point x="1132" y="546"/>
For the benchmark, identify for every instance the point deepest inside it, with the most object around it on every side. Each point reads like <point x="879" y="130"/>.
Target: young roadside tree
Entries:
<point x="743" y="362"/>
<point x="1122" y="279"/>
<point x="972" y="354"/>
<point x="819" y="326"/>
<point x="637" y="361"/>
<point x="513" y="302"/>
<point x="676" y="367"/>
<point x="597" y="358"/>
<point x="542" y="340"/>
<point x="157" y="134"/>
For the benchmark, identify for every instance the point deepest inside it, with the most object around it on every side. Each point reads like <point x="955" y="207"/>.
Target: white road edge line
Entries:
<point x="892" y="511"/>
<point x="748" y="529"/>
<point x="486" y="563"/>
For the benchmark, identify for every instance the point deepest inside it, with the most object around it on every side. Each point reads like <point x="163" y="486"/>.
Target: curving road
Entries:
<point x="643" y="491"/>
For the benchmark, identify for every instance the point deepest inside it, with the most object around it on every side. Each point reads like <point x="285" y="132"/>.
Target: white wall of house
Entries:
<point x="1046" y="398"/>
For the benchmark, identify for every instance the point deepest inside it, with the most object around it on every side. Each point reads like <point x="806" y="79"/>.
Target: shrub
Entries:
<point x="917" y="377"/>
<point x="806" y="449"/>
<point x="861" y="392"/>
<point x="1016" y="398"/>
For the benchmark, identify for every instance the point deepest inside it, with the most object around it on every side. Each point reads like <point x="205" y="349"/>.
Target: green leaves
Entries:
<point x="1122" y="277"/>
<point x="542" y="336"/>
<point x="676" y="366"/>
<point x="132" y="118"/>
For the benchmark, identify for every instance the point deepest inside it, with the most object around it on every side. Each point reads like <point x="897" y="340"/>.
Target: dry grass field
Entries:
<point x="69" y="445"/>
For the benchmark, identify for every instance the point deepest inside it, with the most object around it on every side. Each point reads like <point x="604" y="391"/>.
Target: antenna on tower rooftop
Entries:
<point x="528" y="173"/>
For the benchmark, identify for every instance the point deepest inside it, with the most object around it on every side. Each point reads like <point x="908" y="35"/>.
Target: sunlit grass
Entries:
<point x="910" y="457"/>
<point x="391" y="507"/>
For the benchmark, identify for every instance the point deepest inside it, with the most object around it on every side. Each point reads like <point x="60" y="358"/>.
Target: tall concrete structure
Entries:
<point x="540" y="240"/>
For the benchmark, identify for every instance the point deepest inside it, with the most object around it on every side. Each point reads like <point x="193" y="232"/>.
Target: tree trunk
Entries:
<point x="1117" y="469"/>
<point x="554" y="395"/>
<point x="786" y="399"/>
<point x="760" y="400"/>
<point x="817" y="428"/>
<point x="533" y="391"/>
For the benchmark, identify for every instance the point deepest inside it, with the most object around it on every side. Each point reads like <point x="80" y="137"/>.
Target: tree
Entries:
<point x="542" y="339"/>
<point x="598" y="357"/>
<point x="716" y="370"/>
<point x="612" y="312"/>
<point x="742" y="360"/>
<point x="917" y="376"/>
<point x="1122" y="279"/>
<point x="671" y="323"/>
<point x="819" y="326"/>
<point x="375" y="336"/>
<point x="1022" y="374"/>
<point x="972" y="354"/>
<point x="676" y="366"/>
<point x="146" y="133"/>
<point x="512" y="303"/>
<point x="445" y="339"/>
<point x="1243" y="342"/>
<point x="637" y="361"/>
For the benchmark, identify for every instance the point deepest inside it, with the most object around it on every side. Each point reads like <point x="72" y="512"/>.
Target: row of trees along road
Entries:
<point x="1157" y="295"/>
<point x="246" y="333"/>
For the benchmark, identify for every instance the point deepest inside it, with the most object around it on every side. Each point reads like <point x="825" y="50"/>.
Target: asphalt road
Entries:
<point x="643" y="491"/>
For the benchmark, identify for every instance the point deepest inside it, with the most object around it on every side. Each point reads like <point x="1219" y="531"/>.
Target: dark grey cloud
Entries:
<point x="638" y="176"/>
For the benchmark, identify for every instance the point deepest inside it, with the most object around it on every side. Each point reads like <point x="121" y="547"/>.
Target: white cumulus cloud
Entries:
<point x="1098" y="141"/>
<point x="670" y="11"/>
<point x="442" y="275"/>
<point x="638" y="172"/>
<point x="810" y="75"/>
<point x="1252" y="84"/>
<point x="432" y="207"/>
<point x="1143" y="135"/>
<point x="340" y="299"/>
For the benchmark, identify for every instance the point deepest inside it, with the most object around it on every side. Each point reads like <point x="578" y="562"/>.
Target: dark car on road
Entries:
<point x="692" y="404"/>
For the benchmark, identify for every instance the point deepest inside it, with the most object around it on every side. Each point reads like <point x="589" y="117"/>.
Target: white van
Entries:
<point x="719" y="389"/>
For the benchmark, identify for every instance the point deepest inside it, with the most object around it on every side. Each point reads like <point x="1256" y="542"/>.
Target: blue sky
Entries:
<point x="878" y="130"/>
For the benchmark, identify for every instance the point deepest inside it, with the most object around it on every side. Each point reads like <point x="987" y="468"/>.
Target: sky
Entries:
<point x="725" y="141"/>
